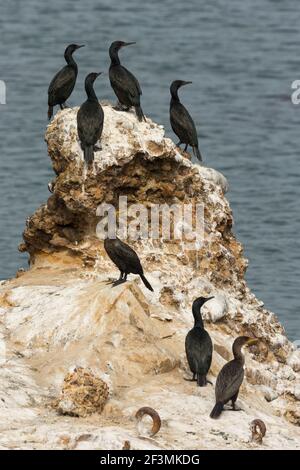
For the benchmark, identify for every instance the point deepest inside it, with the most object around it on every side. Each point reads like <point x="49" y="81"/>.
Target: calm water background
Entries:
<point x="242" y="57"/>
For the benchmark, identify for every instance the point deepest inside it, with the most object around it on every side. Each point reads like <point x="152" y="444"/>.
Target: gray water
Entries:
<point x="242" y="57"/>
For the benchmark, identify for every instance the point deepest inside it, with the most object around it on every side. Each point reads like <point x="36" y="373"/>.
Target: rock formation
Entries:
<point x="61" y="314"/>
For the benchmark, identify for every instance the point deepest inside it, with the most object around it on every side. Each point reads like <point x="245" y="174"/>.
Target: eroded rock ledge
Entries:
<point x="60" y="314"/>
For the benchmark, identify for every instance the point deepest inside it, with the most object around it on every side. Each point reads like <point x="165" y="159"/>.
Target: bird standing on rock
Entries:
<point x="181" y="121"/>
<point x="90" y="119"/>
<point x="231" y="376"/>
<point x="123" y="82"/>
<point x="198" y="345"/>
<point x="64" y="81"/>
<point x="126" y="259"/>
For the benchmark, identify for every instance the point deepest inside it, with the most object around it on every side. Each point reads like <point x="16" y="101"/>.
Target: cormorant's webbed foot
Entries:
<point x="118" y="282"/>
<point x="113" y="281"/>
<point x="97" y="148"/>
<point x="191" y="380"/>
<point x="120" y="107"/>
<point x="236" y="408"/>
<point x="121" y="280"/>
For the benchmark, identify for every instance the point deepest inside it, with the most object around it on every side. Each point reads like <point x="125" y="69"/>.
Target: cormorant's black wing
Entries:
<point x="183" y="124"/>
<point x="128" y="257"/>
<point x="62" y="84"/>
<point x="89" y="123"/>
<point x="199" y="348"/>
<point x="229" y="381"/>
<point x="126" y="81"/>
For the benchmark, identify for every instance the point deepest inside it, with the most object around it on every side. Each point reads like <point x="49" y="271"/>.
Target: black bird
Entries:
<point x="231" y="376"/>
<point x="123" y="82"/>
<point x="126" y="259"/>
<point x="90" y="119"/>
<point x="198" y="345"/>
<point x="63" y="83"/>
<point x="181" y="121"/>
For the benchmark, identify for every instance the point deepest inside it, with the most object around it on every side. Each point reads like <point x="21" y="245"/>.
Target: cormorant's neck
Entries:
<point x="237" y="353"/>
<point x="89" y="89"/>
<point x="114" y="57"/>
<point x="69" y="59"/>
<point x="196" y="309"/>
<point x="174" y="94"/>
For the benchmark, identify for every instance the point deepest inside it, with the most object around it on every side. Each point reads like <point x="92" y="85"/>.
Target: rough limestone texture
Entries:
<point x="125" y="345"/>
<point x="82" y="394"/>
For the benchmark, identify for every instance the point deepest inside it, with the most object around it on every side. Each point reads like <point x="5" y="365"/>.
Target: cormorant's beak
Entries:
<point x="186" y="83"/>
<point x="209" y="298"/>
<point x="128" y="43"/>
<point x="99" y="73"/>
<point x="252" y="341"/>
<point x="79" y="47"/>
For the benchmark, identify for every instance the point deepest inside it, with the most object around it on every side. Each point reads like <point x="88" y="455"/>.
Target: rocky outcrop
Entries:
<point x="61" y="315"/>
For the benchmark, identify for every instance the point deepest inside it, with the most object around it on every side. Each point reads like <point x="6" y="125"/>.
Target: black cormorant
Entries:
<point x="126" y="259"/>
<point x="181" y="121"/>
<point x="90" y="120"/>
<point x="63" y="83"/>
<point x="198" y="345"/>
<point x="123" y="82"/>
<point x="231" y="376"/>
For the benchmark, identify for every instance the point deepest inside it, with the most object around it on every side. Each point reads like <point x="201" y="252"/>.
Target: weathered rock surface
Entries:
<point x="61" y="314"/>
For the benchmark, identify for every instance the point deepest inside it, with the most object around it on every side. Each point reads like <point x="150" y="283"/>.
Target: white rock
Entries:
<point x="216" y="308"/>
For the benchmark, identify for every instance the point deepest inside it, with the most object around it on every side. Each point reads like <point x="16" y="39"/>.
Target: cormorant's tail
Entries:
<point x="217" y="410"/>
<point x="50" y="112"/>
<point x="197" y="153"/>
<point x="139" y="113"/>
<point x="201" y="380"/>
<point x="89" y="154"/>
<point x="147" y="284"/>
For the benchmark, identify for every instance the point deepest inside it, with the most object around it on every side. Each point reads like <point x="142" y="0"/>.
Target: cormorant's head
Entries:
<point x="244" y="341"/>
<point x="177" y="84"/>
<point x="196" y="308"/>
<point x="201" y="301"/>
<point x="91" y="77"/>
<point x="72" y="48"/>
<point x="117" y="45"/>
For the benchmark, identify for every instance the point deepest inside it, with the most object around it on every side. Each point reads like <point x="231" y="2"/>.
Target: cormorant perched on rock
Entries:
<point x="181" y="121"/>
<point x="90" y="119"/>
<point x="231" y="376"/>
<point x="126" y="259"/>
<point x="198" y="345"/>
<point x="64" y="81"/>
<point x="123" y="82"/>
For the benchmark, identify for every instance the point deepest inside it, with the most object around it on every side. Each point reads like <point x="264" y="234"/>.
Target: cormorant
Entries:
<point x="231" y="376"/>
<point x="63" y="83"/>
<point x="181" y="121"/>
<point x="90" y="119"/>
<point x="123" y="82"/>
<point x="126" y="259"/>
<point x="198" y="345"/>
